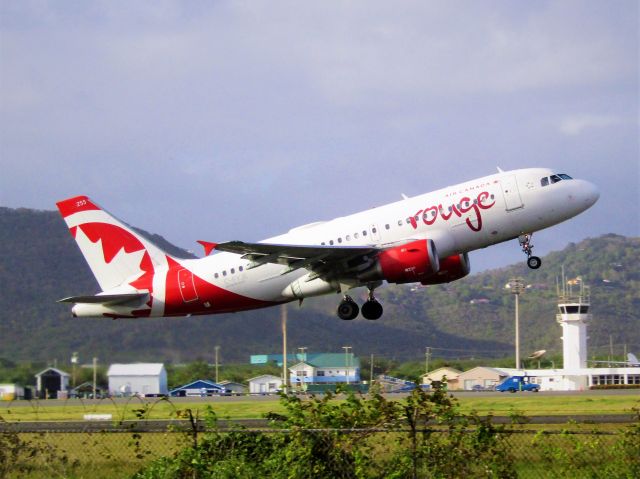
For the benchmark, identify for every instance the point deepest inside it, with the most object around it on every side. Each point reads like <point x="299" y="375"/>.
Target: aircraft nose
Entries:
<point x="590" y="193"/>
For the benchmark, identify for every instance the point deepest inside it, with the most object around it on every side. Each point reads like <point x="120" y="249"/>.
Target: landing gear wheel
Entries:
<point x="534" y="262"/>
<point x="527" y="248"/>
<point x="371" y="309"/>
<point x="348" y="309"/>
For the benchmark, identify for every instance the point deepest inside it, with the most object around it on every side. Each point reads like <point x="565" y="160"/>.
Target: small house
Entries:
<point x="199" y="388"/>
<point x="234" y="388"/>
<point x="448" y="374"/>
<point x="265" y="384"/>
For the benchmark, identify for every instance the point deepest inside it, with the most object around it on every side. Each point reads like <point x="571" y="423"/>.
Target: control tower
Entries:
<point x="573" y="315"/>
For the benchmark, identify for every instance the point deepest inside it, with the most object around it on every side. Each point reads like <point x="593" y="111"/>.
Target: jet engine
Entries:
<point x="451" y="268"/>
<point x="407" y="263"/>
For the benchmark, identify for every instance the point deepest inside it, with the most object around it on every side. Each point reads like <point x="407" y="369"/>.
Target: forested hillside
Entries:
<point x="40" y="263"/>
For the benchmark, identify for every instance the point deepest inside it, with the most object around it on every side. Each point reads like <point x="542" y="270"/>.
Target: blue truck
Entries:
<point x="518" y="383"/>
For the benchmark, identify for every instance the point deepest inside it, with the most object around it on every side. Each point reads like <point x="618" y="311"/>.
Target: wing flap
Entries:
<point x="105" y="298"/>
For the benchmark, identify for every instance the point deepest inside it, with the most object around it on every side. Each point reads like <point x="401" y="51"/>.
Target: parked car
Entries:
<point x="518" y="383"/>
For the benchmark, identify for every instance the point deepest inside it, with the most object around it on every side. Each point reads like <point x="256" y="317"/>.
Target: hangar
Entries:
<point x="137" y="379"/>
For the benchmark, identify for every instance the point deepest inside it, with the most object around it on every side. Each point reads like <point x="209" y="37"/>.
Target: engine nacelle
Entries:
<point x="451" y="268"/>
<point x="407" y="263"/>
<point x="301" y="288"/>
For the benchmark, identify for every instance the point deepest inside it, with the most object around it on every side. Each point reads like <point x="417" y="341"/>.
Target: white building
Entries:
<point x="137" y="379"/>
<point x="265" y="384"/>
<point x="573" y="316"/>
<point x="9" y="392"/>
<point x="481" y="378"/>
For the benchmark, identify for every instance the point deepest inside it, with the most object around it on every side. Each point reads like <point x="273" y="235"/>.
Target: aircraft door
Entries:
<point x="511" y="194"/>
<point x="187" y="286"/>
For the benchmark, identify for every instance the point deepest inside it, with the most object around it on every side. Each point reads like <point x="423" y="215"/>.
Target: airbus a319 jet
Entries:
<point x="424" y="239"/>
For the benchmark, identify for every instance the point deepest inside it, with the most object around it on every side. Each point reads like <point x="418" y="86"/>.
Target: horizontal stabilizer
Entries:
<point x="105" y="298"/>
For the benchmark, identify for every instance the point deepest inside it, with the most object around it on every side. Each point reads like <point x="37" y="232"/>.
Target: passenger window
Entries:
<point x="399" y="222"/>
<point x="339" y="240"/>
<point x="331" y="242"/>
<point x="233" y="271"/>
<point x="374" y="230"/>
<point x="216" y="275"/>
<point x="323" y="244"/>
<point x="224" y="273"/>
<point x="387" y="226"/>
<point x="364" y="233"/>
<point x="356" y="235"/>
<point x="544" y="181"/>
<point x="555" y="178"/>
<point x="348" y="238"/>
<point x="240" y="268"/>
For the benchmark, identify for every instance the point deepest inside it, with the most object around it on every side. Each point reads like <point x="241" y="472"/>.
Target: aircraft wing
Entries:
<point x="320" y="259"/>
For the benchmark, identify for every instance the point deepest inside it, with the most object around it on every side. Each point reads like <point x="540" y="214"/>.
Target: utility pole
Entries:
<point x="303" y="353"/>
<point x="427" y="356"/>
<point x="371" y="372"/>
<point x="610" y="348"/>
<point x="516" y="285"/>
<point x="217" y="350"/>
<point x="95" y="377"/>
<point x="283" y="317"/>
<point x="346" y="361"/>
<point x="74" y="361"/>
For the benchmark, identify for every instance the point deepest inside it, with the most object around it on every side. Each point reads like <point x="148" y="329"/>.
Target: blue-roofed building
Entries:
<point x="199" y="388"/>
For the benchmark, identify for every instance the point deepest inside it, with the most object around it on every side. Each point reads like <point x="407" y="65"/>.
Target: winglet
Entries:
<point x="208" y="246"/>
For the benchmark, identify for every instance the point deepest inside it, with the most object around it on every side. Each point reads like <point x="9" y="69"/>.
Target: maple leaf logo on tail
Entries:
<point x="119" y="258"/>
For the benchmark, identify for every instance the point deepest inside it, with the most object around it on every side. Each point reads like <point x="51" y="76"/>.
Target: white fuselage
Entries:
<point x="519" y="204"/>
<point x="421" y="239"/>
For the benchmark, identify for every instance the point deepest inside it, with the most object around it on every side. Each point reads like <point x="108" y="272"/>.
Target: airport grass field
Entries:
<point x="526" y="404"/>
<point x="97" y="455"/>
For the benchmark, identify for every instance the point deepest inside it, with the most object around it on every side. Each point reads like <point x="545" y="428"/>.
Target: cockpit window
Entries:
<point x="554" y="179"/>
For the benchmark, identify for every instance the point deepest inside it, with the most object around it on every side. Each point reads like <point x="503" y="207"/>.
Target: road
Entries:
<point x="276" y="398"/>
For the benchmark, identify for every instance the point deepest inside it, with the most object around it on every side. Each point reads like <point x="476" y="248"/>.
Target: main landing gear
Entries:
<point x="348" y="309"/>
<point x="533" y="262"/>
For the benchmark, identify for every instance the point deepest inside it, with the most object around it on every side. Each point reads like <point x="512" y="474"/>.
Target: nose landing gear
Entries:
<point x="534" y="262"/>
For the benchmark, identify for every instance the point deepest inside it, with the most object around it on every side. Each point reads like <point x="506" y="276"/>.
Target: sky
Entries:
<point x="238" y="120"/>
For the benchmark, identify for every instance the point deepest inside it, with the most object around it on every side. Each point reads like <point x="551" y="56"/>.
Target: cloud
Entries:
<point x="577" y="124"/>
<point x="278" y="103"/>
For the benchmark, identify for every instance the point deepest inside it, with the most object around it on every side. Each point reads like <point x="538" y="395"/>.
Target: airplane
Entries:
<point x="423" y="239"/>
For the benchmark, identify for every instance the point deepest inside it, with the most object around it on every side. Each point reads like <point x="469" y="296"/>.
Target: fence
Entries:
<point x="332" y="453"/>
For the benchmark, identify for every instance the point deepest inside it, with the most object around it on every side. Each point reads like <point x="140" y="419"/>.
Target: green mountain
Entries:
<point x="473" y="317"/>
